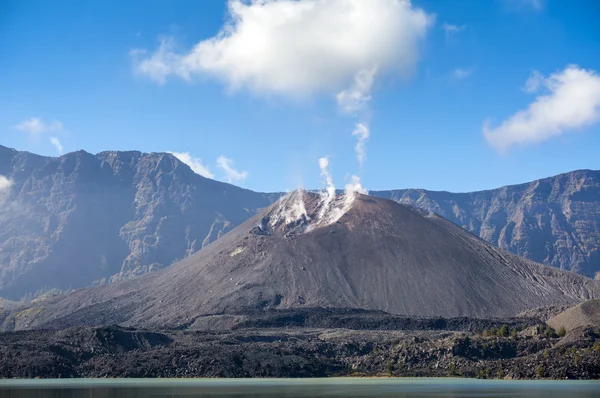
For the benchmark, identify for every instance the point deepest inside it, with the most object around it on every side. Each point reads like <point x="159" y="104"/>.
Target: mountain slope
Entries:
<point x="80" y="219"/>
<point x="555" y="220"/>
<point x="586" y="314"/>
<point x="126" y="213"/>
<point x="375" y="254"/>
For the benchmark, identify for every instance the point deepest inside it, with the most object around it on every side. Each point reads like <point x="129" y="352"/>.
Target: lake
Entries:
<point x="334" y="387"/>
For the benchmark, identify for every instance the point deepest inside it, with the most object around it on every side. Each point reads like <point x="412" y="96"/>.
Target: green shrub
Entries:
<point x="562" y="331"/>
<point x="504" y="331"/>
<point x="390" y="368"/>
<point x="490" y="332"/>
<point x="500" y="370"/>
<point x="452" y="370"/>
<point x="540" y="371"/>
<point x="488" y="372"/>
<point x="550" y="332"/>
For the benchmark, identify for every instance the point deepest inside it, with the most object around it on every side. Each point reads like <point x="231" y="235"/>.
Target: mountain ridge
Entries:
<point x="131" y="212"/>
<point x="110" y="215"/>
<point x="555" y="220"/>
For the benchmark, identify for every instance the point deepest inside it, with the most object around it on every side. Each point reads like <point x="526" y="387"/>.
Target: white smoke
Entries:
<point x="329" y="193"/>
<point x="290" y="209"/>
<point x="333" y="207"/>
<point x="344" y="203"/>
<point x="323" y="165"/>
<point x="357" y="97"/>
<point x="361" y="131"/>
<point x="354" y="187"/>
<point x="297" y="210"/>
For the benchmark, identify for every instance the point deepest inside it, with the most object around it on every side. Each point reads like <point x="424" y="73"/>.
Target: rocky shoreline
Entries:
<point x="526" y="350"/>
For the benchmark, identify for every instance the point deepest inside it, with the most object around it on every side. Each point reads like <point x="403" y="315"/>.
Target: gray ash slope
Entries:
<point x="379" y="255"/>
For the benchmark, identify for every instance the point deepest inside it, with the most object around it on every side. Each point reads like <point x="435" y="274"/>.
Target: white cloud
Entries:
<point x="35" y="126"/>
<point x="5" y="183"/>
<point x="452" y="29"/>
<point x="462" y="73"/>
<point x="194" y="163"/>
<point x="535" y="81"/>
<point x="300" y="47"/>
<point x="361" y="131"/>
<point x="231" y="174"/>
<point x="57" y="145"/>
<point x="572" y="101"/>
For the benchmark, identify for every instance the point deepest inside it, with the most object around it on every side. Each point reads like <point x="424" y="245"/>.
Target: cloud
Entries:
<point x="535" y="81"/>
<point x="194" y="163"/>
<point x="35" y="126"/>
<point x="461" y="73"/>
<point x="357" y="97"/>
<point x="452" y="29"/>
<point x="57" y="145"/>
<point x="300" y="47"/>
<point x="5" y="183"/>
<point x="572" y="101"/>
<point x="231" y="174"/>
<point x="361" y="131"/>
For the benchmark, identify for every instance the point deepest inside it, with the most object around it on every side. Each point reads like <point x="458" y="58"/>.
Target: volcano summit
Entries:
<point x="310" y="250"/>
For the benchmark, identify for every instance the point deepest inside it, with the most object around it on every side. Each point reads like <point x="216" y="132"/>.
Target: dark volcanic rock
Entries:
<point x="80" y="219"/>
<point x="555" y="221"/>
<point x="295" y="352"/>
<point x="328" y="318"/>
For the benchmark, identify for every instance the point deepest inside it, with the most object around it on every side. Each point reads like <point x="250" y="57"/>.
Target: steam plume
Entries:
<point x="290" y="209"/>
<point x="354" y="187"/>
<point x="330" y="190"/>
<point x="361" y="131"/>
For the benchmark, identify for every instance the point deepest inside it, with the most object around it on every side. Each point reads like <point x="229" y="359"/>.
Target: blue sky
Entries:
<point x="88" y="75"/>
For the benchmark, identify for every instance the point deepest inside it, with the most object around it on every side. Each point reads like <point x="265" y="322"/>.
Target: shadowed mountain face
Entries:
<point x="81" y="219"/>
<point x="376" y="254"/>
<point x="555" y="221"/>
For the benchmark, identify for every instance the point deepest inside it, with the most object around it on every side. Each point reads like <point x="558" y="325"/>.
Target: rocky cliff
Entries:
<point x="555" y="221"/>
<point x="84" y="219"/>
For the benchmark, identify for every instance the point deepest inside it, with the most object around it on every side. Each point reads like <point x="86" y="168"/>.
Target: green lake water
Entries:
<point x="338" y="387"/>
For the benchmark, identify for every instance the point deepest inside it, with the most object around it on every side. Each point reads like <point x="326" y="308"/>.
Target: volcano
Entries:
<point x="343" y="251"/>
